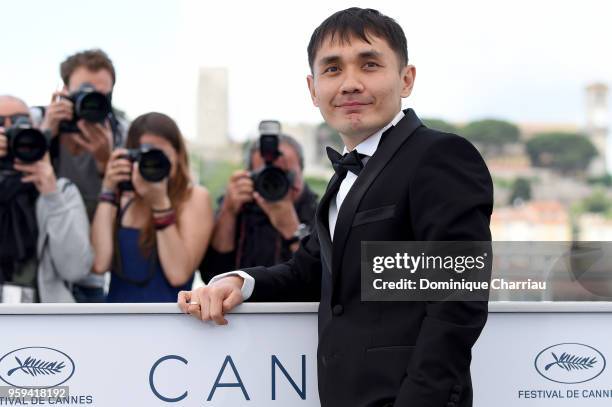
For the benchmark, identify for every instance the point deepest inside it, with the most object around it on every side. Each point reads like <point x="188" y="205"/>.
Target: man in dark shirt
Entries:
<point x="80" y="154"/>
<point x="250" y="231"/>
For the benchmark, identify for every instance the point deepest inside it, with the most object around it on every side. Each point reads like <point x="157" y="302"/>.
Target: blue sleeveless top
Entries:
<point x="151" y="283"/>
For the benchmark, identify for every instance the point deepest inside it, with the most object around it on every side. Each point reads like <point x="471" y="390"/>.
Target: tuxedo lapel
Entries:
<point x="322" y="220"/>
<point x="389" y="144"/>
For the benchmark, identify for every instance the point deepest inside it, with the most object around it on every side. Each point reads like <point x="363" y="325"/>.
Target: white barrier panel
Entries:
<point x="545" y="355"/>
<point x="537" y="354"/>
<point x="147" y="355"/>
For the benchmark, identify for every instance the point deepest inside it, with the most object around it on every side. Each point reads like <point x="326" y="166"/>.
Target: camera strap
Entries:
<point x="115" y="124"/>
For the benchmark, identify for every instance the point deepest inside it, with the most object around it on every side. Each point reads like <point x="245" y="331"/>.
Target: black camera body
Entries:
<point x="271" y="182"/>
<point x="90" y="105"/>
<point x="153" y="165"/>
<point x="24" y="143"/>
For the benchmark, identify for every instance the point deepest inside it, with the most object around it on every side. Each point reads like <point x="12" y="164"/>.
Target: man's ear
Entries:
<point x="311" y="88"/>
<point x="408" y="75"/>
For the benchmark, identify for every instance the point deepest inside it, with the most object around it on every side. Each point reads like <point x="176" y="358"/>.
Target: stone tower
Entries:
<point x="212" y="108"/>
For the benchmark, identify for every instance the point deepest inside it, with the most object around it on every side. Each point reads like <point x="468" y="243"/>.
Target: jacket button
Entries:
<point x="323" y="360"/>
<point x="457" y="388"/>
<point x="454" y="397"/>
<point x="338" y="310"/>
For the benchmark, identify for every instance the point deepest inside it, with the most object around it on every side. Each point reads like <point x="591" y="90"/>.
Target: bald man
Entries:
<point x="44" y="230"/>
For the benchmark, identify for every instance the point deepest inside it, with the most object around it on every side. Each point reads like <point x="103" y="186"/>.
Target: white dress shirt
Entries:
<point x="366" y="147"/>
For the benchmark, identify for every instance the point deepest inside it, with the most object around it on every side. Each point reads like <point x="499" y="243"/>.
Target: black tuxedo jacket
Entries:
<point x="420" y="185"/>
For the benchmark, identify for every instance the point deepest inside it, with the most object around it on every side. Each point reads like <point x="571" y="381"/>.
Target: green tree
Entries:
<point x="317" y="184"/>
<point x="598" y="202"/>
<point x="521" y="189"/>
<point x="564" y="152"/>
<point x="604" y="180"/>
<point x="441" y="125"/>
<point x="491" y="134"/>
<point x="214" y="175"/>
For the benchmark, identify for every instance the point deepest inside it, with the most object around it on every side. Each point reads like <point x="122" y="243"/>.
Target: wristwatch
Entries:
<point x="301" y="232"/>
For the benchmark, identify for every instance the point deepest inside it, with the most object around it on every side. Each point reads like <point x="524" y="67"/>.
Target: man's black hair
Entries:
<point x="361" y="23"/>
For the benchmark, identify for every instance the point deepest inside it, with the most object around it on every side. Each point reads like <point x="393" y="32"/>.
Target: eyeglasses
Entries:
<point x="14" y="118"/>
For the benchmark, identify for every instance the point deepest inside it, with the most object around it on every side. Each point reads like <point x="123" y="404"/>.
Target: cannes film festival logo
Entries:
<point x="570" y="363"/>
<point x="36" y="366"/>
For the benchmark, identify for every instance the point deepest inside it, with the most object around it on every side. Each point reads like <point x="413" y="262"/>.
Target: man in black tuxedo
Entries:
<point x="401" y="181"/>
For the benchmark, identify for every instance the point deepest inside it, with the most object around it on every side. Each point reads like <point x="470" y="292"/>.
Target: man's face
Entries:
<point x="10" y="110"/>
<point x="288" y="161"/>
<point x="101" y="80"/>
<point x="358" y="86"/>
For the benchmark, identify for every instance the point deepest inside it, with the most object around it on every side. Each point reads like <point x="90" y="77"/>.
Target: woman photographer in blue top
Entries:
<point x="153" y="225"/>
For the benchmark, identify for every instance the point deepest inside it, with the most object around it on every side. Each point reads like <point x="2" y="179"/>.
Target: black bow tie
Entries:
<point x="347" y="162"/>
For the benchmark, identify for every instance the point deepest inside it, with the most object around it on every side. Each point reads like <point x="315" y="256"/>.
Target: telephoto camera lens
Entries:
<point x="91" y="105"/>
<point x="25" y="142"/>
<point x="153" y="165"/>
<point x="272" y="182"/>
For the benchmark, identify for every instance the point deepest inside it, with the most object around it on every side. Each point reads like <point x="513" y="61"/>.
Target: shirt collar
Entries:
<point x="368" y="146"/>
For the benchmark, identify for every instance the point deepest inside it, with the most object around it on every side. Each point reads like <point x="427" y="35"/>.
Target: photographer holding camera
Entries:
<point x="82" y="123"/>
<point x="152" y="225"/>
<point x="266" y="209"/>
<point x="44" y="245"/>
<point x="84" y="130"/>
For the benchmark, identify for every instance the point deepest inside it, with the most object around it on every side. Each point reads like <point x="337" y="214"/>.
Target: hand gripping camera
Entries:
<point x="25" y="143"/>
<point x="89" y="105"/>
<point x="153" y="165"/>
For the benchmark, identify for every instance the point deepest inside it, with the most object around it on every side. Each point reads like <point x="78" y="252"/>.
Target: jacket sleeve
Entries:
<point x="451" y="199"/>
<point x="63" y="223"/>
<point x="298" y="279"/>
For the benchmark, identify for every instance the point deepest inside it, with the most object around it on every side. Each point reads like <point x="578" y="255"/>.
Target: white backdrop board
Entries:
<point x="544" y="354"/>
<point x="531" y="354"/>
<point x="151" y="355"/>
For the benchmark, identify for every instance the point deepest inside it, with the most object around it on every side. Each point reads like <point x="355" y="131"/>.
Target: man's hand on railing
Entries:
<point x="214" y="300"/>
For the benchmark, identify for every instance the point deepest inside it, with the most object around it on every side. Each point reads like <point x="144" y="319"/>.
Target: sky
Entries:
<point x="524" y="61"/>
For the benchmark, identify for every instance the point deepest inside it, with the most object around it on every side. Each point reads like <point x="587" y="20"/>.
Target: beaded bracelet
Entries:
<point x="162" y="222"/>
<point x="108" y="197"/>
<point x="157" y="211"/>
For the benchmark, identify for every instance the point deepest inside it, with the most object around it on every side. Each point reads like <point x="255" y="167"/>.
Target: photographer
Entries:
<point x="84" y="129"/>
<point x="152" y="225"/>
<point x="44" y="245"/>
<point x="250" y="230"/>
